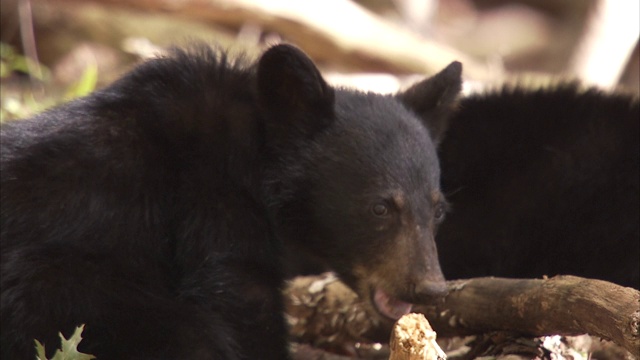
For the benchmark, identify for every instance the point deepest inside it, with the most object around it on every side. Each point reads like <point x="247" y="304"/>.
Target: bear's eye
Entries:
<point x="439" y="213"/>
<point x="379" y="209"/>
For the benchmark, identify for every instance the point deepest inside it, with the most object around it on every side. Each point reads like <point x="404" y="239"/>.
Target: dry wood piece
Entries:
<point x="562" y="305"/>
<point x="308" y="352"/>
<point x="324" y="312"/>
<point x="412" y="338"/>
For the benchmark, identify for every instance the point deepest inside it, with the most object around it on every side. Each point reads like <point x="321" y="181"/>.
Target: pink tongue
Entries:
<point x="389" y="306"/>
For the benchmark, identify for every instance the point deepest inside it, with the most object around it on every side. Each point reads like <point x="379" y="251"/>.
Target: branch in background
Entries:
<point x="28" y="39"/>
<point x="323" y="311"/>
<point x="610" y="36"/>
<point x="328" y="30"/>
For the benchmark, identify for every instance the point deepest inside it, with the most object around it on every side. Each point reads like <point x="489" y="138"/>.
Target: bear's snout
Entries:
<point x="429" y="290"/>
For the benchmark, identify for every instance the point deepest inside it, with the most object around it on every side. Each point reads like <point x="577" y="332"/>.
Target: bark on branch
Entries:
<point x="323" y="311"/>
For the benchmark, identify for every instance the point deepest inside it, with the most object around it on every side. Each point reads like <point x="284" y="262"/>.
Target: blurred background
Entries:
<point x="54" y="50"/>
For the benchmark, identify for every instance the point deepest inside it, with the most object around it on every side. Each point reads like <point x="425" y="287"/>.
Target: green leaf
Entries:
<point x="85" y="85"/>
<point x="40" y="354"/>
<point x="68" y="350"/>
<point x="11" y="61"/>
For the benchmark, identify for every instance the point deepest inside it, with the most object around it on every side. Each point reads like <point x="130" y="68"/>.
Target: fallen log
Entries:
<point x="323" y="311"/>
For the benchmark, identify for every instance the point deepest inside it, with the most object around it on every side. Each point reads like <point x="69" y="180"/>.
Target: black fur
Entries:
<point x="543" y="182"/>
<point x="155" y="211"/>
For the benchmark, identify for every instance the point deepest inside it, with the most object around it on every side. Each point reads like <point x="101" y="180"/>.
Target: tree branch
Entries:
<point x="323" y="311"/>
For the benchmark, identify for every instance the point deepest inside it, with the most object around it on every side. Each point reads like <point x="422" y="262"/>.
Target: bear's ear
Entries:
<point x="292" y="91"/>
<point x="435" y="98"/>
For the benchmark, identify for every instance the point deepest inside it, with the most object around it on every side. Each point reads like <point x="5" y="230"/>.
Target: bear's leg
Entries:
<point x="125" y="318"/>
<point x="246" y="292"/>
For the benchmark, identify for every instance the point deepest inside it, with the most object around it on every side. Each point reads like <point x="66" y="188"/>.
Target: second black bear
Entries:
<point x="543" y="182"/>
<point x="155" y="210"/>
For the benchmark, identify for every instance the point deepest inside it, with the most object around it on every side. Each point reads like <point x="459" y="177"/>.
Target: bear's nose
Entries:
<point x="429" y="290"/>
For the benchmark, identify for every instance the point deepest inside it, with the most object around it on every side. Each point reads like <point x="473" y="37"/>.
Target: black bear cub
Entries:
<point x="543" y="182"/>
<point x="156" y="211"/>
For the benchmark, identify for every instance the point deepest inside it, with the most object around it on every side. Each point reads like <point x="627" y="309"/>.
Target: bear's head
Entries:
<point x="353" y="180"/>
